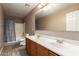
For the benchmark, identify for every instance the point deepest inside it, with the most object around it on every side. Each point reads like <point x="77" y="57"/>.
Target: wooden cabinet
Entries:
<point x="50" y="53"/>
<point x="42" y="51"/>
<point x="35" y="49"/>
<point x="28" y="46"/>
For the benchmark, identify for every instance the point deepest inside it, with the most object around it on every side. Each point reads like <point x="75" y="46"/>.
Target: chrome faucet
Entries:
<point x="59" y="41"/>
<point x="38" y="36"/>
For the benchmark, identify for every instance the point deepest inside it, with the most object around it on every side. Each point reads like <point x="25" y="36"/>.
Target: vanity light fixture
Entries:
<point x="42" y="5"/>
<point x="49" y="6"/>
<point x="46" y="6"/>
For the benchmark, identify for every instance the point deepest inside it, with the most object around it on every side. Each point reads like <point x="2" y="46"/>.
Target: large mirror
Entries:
<point x="58" y="17"/>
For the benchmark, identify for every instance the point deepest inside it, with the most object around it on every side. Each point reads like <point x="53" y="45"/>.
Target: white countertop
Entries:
<point x="63" y="49"/>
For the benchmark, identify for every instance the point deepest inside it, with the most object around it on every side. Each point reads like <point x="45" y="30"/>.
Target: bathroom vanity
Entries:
<point x="46" y="45"/>
<point x="35" y="49"/>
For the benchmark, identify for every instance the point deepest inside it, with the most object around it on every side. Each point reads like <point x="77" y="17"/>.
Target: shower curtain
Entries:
<point x="10" y="30"/>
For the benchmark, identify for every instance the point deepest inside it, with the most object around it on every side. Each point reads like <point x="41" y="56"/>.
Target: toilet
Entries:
<point x="21" y="40"/>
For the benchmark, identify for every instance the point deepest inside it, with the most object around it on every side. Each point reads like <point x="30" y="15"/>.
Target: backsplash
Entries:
<point x="68" y="35"/>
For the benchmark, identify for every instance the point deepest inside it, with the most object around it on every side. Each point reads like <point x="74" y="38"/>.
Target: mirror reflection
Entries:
<point x="58" y="17"/>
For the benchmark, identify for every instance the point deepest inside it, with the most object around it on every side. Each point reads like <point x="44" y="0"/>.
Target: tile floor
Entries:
<point x="13" y="51"/>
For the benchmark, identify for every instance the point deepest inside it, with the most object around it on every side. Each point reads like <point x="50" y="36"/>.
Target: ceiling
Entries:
<point x="19" y="10"/>
<point x="55" y="7"/>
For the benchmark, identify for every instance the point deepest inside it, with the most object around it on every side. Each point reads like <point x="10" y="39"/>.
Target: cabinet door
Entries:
<point x="33" y="48"/>
<point x="42" y="51"/>
<point x="52" y="53"/>
<point x="28" y="46"/>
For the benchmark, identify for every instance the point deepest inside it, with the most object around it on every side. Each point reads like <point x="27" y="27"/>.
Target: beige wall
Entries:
<point x="30" y="22"/>
<point x="57" y="21"/>
<point x="1" y="26"/>
<point x="17" y="20"/>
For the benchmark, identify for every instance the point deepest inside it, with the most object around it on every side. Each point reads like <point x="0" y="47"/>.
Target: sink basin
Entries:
<point x="47" y="39"/>
<point x="57" y="44"/>
<point x="51" y="42"/>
